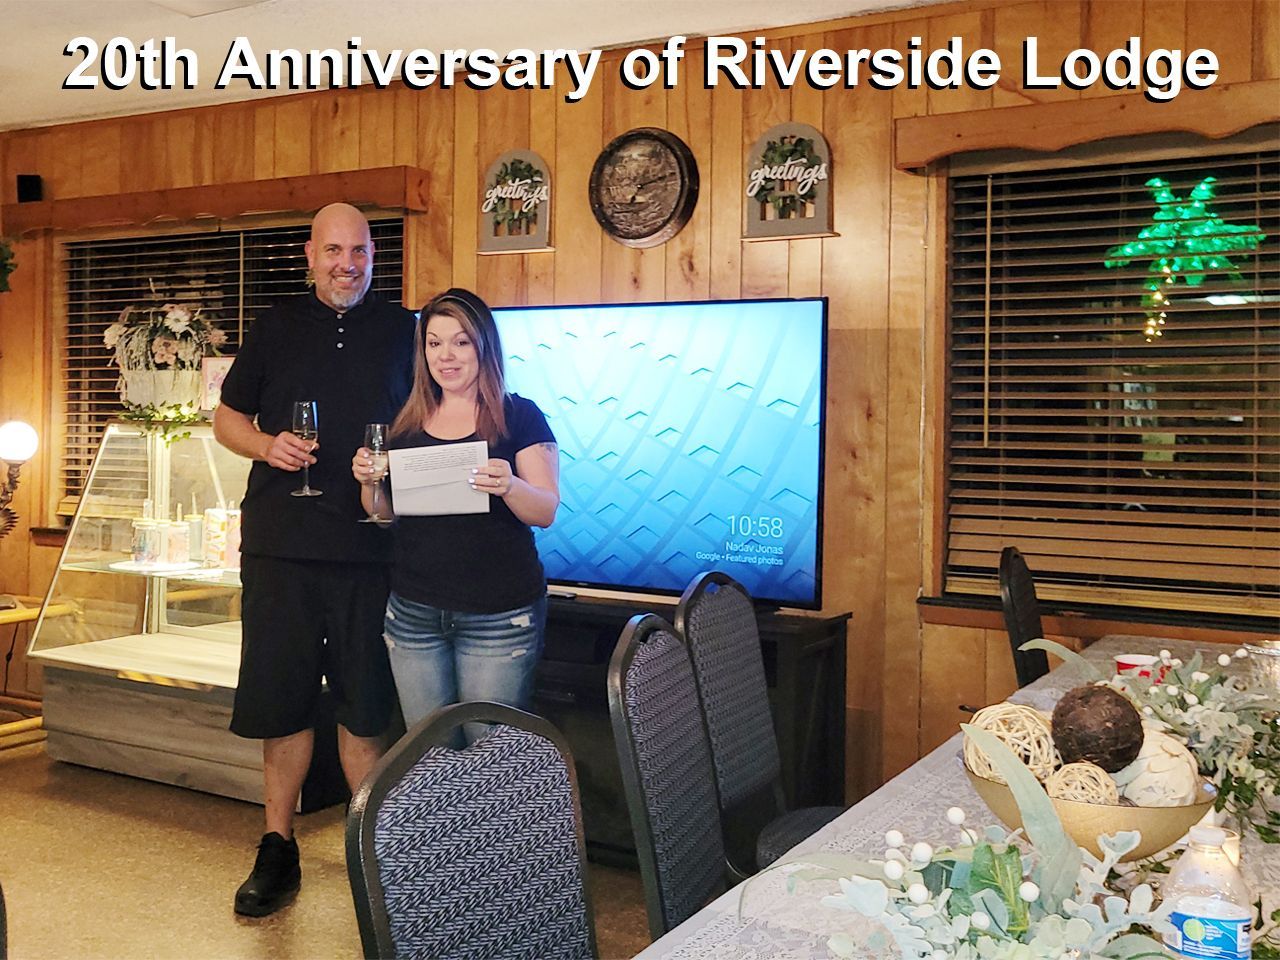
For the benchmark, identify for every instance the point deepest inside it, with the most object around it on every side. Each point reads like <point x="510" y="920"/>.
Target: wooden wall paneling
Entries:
<point x="466" y="179"/>
<point x="432" y="122"/>
<point x="1057" y="26"/>
<point x="1164" y="24"/>
<point x="856" y="267"/>
<point x="233" y="140"/>
<point x="102" y="149"/>
<point x="405" y="146"/>
<point x="264" y="140"/>
<point x="19" y="157"/>
<point x="66" y="161"/>
<point x="1223" y="27"/>
<point x="540" y="268"/>
<point x="1000" y="677"/>
<point x="1108" y="26"/>
<point x="688" y="254"/>
<point x="179" y="133"/>
<point x="904" y="488"/>
<point x="376" y="140"/>
<point x="804" y="257"/>
<point x="953" y="674"/>
<point x="1266" y="39"/>
<point x="765" y="263"/>
<point x="295" y="131"/>
<point x="203" y="148"/>
<point x="578" y="239"/>
<point x="629" y="274"/>
<point x="722" y="185"/>
<point x="335" y="134"/>
<point x="976" y="29"/>
<point x="501" y="279"/>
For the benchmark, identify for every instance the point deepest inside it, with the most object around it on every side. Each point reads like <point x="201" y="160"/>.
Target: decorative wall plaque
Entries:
<point x="644" y="186"/>
<point x="515" y="204"/>
<point x="788" y="185"/>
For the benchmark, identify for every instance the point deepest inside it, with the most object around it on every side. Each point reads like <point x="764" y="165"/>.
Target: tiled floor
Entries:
<point x="99" y="865"/>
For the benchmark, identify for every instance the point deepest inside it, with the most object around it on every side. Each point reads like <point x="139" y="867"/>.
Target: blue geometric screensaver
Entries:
<point x="690" y="439"/>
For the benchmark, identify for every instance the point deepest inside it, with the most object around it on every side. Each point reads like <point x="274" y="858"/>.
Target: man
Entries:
<point x="315" y="580"/>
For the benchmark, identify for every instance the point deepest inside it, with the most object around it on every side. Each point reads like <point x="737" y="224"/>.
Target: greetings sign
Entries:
<point x="515" y="204"/>
<point x="788" y="184"/>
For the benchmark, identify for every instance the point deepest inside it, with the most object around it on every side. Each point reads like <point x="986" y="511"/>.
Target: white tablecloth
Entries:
<point x="772" y="917"/>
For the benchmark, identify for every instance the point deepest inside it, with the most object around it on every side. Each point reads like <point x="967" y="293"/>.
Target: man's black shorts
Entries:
<point x="304" y="620"/>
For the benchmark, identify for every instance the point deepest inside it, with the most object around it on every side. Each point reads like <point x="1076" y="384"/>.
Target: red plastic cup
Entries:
<point x="1141" y="665"/>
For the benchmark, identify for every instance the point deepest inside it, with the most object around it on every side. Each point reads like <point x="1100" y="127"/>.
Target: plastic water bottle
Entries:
<point x="1212" y="903"/>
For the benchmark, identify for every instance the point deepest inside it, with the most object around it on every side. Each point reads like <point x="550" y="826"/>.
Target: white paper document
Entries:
<point x="432" y="481"/>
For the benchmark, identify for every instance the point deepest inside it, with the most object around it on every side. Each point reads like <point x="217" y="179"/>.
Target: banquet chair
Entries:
<point x="471" y="853"/>
<point x="717" y="622"/>
<point x="1021" y="616"/>
<point x="666" y="772"/>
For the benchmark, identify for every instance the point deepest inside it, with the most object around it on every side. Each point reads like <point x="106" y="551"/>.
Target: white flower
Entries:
<point x="980" y="920"/>
<point x="1029" y="892"/>
<point x="1192" y="699"/>
<point x="955" y="816"/>
<point x="1199" y="676"/>
<point x="1224" y="660"/>
<point x="894" y="870"/>
<point x="918" y="893"/>
<point x="1165" y="655"/>
<point x="894" y="838"/>
<point x="1171" y="689"/>
<point x="1241" y="653"/>
<point x="1175" y="663"/>
<point x="921" y="853"/>
<point x="111" y="336"/>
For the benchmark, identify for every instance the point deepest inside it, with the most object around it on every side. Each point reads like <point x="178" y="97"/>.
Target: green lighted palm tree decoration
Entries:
<point x="1186" y="240"/>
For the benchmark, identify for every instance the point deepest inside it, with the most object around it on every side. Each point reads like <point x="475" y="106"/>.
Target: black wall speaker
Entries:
<point x="30" y="189"/>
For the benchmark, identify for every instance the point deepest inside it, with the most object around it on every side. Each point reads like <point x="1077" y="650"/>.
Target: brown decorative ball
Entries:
<point x="1097" y="725"/>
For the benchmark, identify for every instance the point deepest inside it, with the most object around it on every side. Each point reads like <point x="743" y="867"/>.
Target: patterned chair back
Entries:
<point x="472" y="853"/>
<point x="666" y="771"/>
<point x="1021" y="616"/>
<point x="718" y="622"/>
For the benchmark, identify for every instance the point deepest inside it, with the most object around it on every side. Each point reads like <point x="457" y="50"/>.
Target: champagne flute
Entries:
<point x="306" y="426"/>
<point x="375" y="441"/>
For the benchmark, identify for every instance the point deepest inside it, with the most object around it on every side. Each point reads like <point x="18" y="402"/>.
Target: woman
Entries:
<point x="467" y="612"/>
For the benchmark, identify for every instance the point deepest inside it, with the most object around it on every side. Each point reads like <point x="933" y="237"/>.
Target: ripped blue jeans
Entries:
<point x="440" y="657"/>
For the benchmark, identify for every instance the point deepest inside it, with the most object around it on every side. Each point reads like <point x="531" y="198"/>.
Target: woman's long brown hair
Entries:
<point x="474" y="316"/>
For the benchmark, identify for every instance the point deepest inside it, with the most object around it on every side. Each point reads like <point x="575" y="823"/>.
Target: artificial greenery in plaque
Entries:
<point x="1186" y="241"/>
<point x="7" y="264"/>
<point x="788" y="184"/>
<point x="515" y="209"/>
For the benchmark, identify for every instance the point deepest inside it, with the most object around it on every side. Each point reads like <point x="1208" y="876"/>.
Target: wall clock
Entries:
<point x="644" y="186"/>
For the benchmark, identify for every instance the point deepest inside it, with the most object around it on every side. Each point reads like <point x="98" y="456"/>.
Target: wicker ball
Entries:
<point x="1023" y="730"/>
<point x="1083" y="781"/>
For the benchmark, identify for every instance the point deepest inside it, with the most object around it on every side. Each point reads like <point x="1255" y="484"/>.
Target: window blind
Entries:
<point x="1113" y="389"/>
<point x="233" y="274"/>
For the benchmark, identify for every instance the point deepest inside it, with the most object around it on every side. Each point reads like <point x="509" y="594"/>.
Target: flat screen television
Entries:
<point x="691" y="439"/>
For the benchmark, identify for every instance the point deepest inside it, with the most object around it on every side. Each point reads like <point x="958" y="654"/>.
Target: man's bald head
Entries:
<point x="340" y="254"/>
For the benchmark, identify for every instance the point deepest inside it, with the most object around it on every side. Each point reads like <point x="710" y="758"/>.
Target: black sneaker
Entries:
<point x="275" y="879"/>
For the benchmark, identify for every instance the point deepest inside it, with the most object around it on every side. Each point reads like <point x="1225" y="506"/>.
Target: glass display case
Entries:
<point x="148" y="586"/>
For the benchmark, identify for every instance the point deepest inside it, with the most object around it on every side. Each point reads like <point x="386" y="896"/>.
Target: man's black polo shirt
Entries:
<point x="358" y="367"/>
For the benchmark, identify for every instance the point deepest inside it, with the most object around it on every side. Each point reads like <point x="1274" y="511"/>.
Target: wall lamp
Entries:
<point x="18" y="442"/>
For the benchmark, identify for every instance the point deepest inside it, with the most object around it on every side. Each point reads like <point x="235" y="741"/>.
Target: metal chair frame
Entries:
<point x="435" y="730"/>
<point x="634" y="635"/>
<point x="1021" y="611"/>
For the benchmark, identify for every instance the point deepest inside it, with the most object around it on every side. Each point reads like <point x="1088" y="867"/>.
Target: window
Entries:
<point x="234" y="274"/>
<point x="1114" y="382"/>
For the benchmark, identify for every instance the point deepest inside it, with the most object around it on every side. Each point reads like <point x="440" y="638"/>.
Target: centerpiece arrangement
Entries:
<point x="159" y="349"/>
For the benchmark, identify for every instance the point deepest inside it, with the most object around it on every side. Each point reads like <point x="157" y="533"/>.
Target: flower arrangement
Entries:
<point x="1232" y="731"/>
<point x="172" y="336"/>
<point x="159" y="349"/>
<point x="985" y="899"/>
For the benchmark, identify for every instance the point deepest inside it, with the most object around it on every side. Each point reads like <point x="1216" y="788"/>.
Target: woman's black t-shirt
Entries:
<point x="475" y="562"/>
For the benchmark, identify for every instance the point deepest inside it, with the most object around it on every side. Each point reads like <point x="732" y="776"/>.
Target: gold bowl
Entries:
<point x="1085" y="822"/>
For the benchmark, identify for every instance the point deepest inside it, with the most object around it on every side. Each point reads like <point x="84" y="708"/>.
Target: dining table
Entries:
<point x="779" y="915"/>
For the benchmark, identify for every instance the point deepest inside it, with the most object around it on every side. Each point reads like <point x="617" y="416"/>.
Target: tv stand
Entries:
<point x="804" y="660"/>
